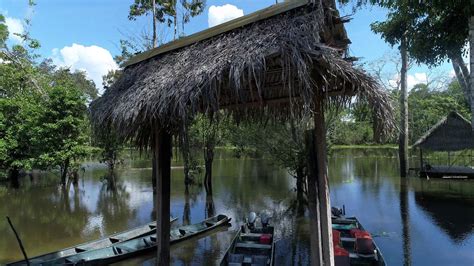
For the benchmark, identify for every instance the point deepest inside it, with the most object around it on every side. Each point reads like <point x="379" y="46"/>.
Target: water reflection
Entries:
<point x="407" y="218"/>
<point x="453" y="213"/>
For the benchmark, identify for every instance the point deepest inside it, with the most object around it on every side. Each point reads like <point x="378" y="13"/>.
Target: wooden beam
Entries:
<point x="313" y="202"/>
<point x="214" y="31"/>
<point x="162" y="155"/>
<point x="322" y="181"/>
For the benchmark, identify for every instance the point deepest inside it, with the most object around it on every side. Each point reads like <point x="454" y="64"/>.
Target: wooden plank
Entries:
<point x="162" y="151"/>
<point x="253" y="245"/>
<point x="322" y="181"/>
<point x="219" y="29"/>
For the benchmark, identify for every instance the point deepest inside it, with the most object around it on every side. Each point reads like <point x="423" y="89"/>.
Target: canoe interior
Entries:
<point x="137" y="246"/>
<point x="246" y="248"/>
<point x="344" y="225"/>
<point x="133" y="233"/>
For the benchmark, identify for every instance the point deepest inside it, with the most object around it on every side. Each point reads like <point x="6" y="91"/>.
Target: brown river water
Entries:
<point x="416" y="221"/>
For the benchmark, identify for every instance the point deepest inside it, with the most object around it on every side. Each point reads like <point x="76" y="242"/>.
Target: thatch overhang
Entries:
<point x="276" y="60"/>
<point x="452" y="133"/>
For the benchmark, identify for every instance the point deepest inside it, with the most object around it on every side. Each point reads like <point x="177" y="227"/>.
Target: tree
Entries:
<point x="166" y="11"/>
<point x="440" y="32"/>
<point x="397" y="30"/>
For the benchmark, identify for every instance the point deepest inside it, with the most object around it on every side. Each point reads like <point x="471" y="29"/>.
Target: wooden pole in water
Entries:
<point x="313" y="203"/>
<point x="162" y="151"/>
<point x="19" y="241"/>
<point x="322" y="181"/>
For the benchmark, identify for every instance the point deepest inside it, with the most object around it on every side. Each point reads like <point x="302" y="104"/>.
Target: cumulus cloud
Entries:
<point x="15" y="26"/>
<point x="221" y="14"/>
<point x="94" y="60"/>
<point x="412" y="80"/>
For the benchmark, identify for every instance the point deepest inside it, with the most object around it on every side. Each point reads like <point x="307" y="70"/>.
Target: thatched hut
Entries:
<point x="450" y="134"/>
<point x="282" y="61"/>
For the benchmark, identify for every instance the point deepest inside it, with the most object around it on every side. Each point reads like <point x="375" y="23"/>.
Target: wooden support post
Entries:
<point x="421" y="159"/>
<point x="322" y="181"/>
<point x="313" y="202"/>
<point x="162" y="155"/>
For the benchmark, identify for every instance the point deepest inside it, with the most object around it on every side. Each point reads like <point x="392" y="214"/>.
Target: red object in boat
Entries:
<point x="341" y="256"/>
<point x="336" y="237"/>
<point x="266" y="239"/>
<point x="363" y="244"/>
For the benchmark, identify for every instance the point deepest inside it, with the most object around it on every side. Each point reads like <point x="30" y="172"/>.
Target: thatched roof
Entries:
<point x="278" y="60"/>
<point x="452" y="133"/>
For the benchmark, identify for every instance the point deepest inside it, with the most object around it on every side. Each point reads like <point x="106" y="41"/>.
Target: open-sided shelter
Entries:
<point x="450" y="134"/>
<point x="282" y="61"/>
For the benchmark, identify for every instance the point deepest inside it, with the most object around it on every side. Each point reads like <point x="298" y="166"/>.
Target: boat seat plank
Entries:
<point x="251" y="235"/>
<point x="347" y="239"/>
<point x="253" y="245"/>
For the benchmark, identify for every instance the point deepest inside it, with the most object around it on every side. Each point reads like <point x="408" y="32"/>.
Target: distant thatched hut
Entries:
<point x="287" y="59"/>
<point x="452" y="133"/>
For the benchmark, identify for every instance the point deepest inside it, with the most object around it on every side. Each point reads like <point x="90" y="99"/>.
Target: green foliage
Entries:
<point x="43" y="118"/>
<point x="429" y="106"/>
<point x="111" y="146"/>
<point x="3" y="31"/>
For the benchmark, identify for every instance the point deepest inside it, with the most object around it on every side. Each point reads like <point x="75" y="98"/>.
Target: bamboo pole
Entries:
<point x="19" y="241"/>
<point x="162" y="150"/>
<point x="322" y="181"/>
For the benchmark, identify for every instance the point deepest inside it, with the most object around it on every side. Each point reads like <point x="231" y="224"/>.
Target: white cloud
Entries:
<point x="94" y="60"/>
<point x="412" y="80"/>
<point x="221" y="14"/>
<point x="15" y="26"/>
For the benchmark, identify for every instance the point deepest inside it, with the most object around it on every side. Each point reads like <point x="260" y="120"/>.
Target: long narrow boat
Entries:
<point x="137" y="246"/>
<point x="252" y="245"/>
<point x="136" y="232"/>
<point x="353" y="245"/>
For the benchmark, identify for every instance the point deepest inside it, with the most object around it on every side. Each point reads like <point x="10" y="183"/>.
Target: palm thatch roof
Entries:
<point x="276" y="60"/>
<point x="452" y="133"/>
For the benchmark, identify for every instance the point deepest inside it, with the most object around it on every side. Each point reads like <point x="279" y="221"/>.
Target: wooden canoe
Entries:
<point x="136" y="232"/>
<point x="246" y="248"/>
<point x="344" y="225"/>
<point x="137" y="246"/>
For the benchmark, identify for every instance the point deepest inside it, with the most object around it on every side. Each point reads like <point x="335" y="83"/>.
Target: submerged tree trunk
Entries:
<point x="186" y="153"/>
<point x="65" y="169"/>
<point x="14" y="176"/>
<point x="403" y="137"/>
<point x="208" y="159"/>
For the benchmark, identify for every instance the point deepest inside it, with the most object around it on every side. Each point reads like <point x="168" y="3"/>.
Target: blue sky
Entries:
<point x="84" y="34"/>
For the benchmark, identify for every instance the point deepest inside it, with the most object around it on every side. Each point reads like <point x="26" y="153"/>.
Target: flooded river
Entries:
<point x="414" y="221"/>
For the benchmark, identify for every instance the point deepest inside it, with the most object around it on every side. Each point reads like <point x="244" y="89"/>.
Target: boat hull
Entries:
<point x="136" y="232"/>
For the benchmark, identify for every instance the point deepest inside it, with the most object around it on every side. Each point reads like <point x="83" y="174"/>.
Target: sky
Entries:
<point x="84" y="34"/>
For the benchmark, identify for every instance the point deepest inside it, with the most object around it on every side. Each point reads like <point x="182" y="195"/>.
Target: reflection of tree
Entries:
<point x="113" y="202"/>
<point x="210" y="207"/>
<point x="35" y="212"/>
<point x="405" y="216"/>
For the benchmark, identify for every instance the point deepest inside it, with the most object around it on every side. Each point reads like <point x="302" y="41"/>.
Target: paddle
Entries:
<point x="19" y="241"/>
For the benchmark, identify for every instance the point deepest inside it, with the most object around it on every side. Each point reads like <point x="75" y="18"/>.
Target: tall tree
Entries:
<point x="397" y="30"/>
<point x="441" y="31"/>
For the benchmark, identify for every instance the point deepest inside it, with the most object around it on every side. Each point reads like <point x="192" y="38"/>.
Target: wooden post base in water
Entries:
<point x="162" y="155"/>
